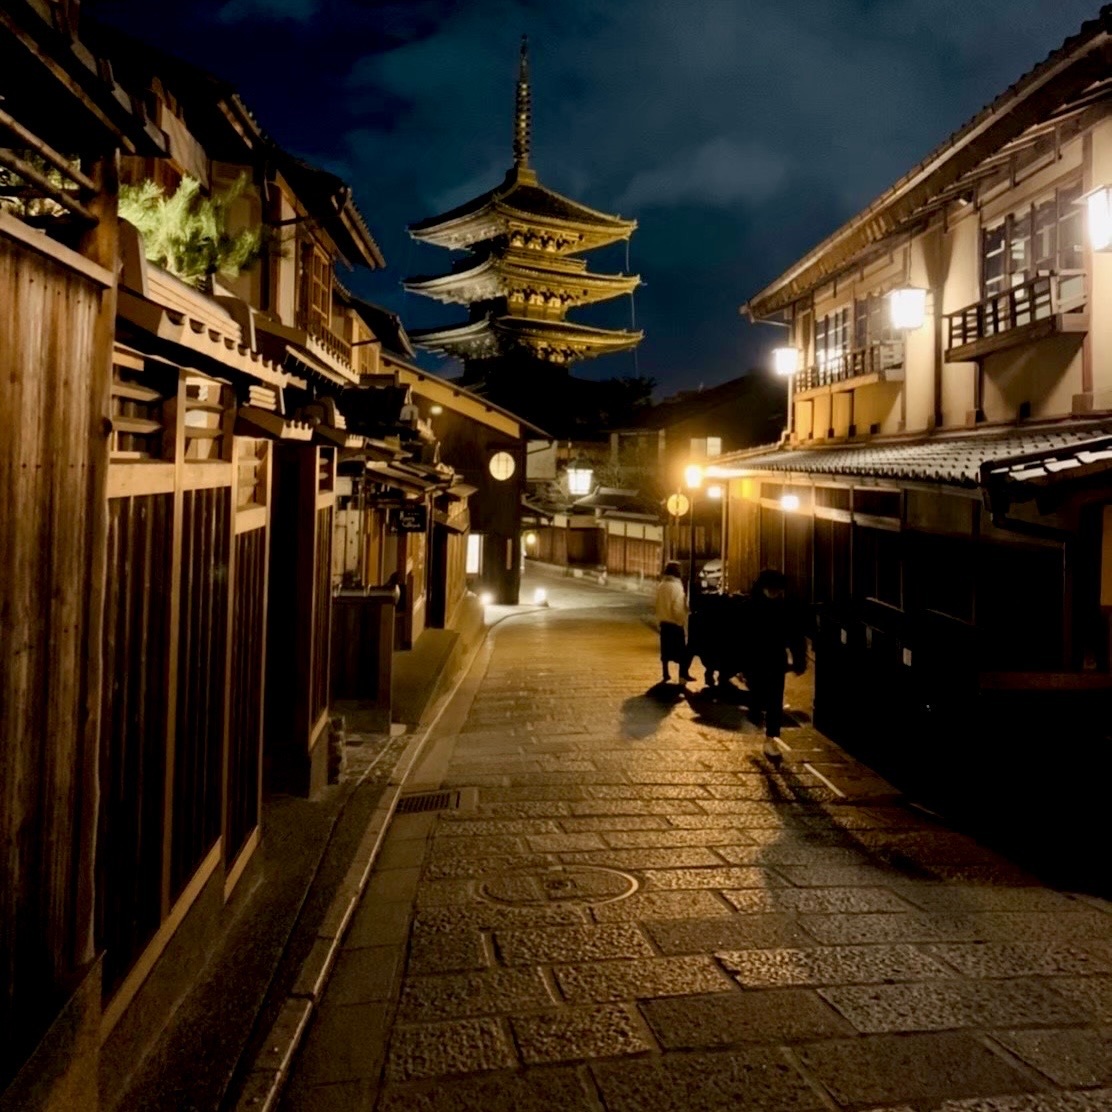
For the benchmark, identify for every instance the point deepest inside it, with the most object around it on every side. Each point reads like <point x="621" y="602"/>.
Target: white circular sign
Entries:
<point x="678" y="504"/>
<point x="502" y="465"/>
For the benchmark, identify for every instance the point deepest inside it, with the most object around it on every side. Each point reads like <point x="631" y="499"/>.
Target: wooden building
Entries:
<point x="942" y="492"/>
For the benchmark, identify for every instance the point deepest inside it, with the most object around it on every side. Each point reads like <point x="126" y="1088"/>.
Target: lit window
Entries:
<point x="698" y="447"/>
<point x="714" y="445"/>
<point x="502" y="465"/>
<point x="474" y="554"/>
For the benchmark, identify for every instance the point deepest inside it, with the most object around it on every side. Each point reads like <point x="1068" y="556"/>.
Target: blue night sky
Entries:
<point x="737" y="132"/>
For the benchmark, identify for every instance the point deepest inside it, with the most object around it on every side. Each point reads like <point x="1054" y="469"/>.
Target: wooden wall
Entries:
<point x="53" y="393"/>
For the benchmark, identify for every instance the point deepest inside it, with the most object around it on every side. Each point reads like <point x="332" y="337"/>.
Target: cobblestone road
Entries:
<point x="630" y="909"/>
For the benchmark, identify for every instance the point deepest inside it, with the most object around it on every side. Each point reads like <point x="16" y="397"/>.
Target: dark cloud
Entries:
<point x="737" y="132"/>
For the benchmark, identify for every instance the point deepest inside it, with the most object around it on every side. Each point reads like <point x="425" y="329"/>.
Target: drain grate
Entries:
<point x="426" y="801"/>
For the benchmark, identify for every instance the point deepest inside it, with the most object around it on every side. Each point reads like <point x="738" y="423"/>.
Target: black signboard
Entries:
<point x="413" y="519"/>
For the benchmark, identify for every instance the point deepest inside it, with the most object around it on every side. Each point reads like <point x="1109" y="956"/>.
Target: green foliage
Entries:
<point x="23" y="199"/>
<point x="187" y="233"/>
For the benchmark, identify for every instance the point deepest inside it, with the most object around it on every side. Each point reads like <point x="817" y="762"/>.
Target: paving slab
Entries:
<point x="433" y="1049"/>
<point x="497" y="991"/>
<point x="639" y="978"/>
<point x="571" y="1034"/>
<point x="565" y="944"/>
<point x="834" y="965"/>
<point x="1070" y="1057"/>
<point x="725" y="932"/>
<point x="535" y="1090"/>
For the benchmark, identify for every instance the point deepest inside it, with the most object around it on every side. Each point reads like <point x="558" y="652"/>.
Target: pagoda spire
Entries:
<point x="523" y="115"/>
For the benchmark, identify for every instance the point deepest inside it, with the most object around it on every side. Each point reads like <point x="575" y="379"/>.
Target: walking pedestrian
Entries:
<point x="776" y="642"/>
<point x="671" y="613"/>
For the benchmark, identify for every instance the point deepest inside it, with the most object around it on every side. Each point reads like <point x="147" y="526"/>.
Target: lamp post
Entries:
<point x="693" y="478"/>
<point x="786" y="361"/>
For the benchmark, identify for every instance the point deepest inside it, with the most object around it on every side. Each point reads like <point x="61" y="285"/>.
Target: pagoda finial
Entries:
<point x="523" y="117"/>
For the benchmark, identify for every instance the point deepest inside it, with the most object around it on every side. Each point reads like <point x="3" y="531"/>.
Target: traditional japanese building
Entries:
<point x="520" y="278"/>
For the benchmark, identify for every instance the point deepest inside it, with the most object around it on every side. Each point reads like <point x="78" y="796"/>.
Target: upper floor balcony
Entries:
<point x="879" y="362"/>
<point x="336" y="346"/>
<point x="1030" y="310"/>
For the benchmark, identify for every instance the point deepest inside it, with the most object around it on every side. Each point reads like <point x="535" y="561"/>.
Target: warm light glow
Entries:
<point x="693" y="476"/>
<point x="436" y="410"/>
<point x="540" y="596"/>
<point x="907" y="308"/>
<point x="789" y="501"/>
<point x="714" y="491"/>
<point x="502" y="465"/>
<point x="486" y="598"/>
<point x="580" y="475"/>
<point x="530" y="539"/>
<point x="1099" y="204"/>
<point x="785" y="360"/>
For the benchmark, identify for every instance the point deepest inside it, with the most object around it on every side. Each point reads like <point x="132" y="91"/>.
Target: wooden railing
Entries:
<point x="336" y="346"/>
<point x="876" y="359"/>
<point x="1036" y="299"/>
<point x="38" y="184"/>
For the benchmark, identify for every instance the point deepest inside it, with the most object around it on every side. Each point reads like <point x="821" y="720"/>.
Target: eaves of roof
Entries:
<point x="1080" y="60"/>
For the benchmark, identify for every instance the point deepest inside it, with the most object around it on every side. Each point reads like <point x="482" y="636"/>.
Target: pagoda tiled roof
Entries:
<point x="498" y="332"/>
<point x="956" y="459"/>
<point x="521" y="196"/>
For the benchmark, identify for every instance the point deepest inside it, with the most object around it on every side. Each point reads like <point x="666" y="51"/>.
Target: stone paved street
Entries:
<point x="628" y="908"/>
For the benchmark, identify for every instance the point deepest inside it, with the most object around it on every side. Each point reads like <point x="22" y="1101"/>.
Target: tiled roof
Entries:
<point x="955" y="459"/>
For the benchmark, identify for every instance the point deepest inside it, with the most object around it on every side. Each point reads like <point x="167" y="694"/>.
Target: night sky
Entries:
<point x="737" y="132"/>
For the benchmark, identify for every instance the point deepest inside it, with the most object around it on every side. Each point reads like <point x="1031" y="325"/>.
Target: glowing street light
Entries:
<point x="485" y="598"/>
<point x="693" y="476"/>
<point x="530" y="539"/>
<point x="580" y="474"/>
<point x="789" y="501"/>
<point x="907" y="308"/>
<point x="714" y="491"/>
<point x="786" y="360"/>
<point x="1099" y="207"/>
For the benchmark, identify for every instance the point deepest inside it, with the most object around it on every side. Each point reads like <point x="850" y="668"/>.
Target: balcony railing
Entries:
<point x="38" y="184"/>
<point x="885" y="360"/>
<point x="336" y="346"/>
<point x="992" y="324"/>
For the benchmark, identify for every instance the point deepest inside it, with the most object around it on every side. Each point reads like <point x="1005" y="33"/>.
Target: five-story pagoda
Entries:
<point x="519" y="279"/>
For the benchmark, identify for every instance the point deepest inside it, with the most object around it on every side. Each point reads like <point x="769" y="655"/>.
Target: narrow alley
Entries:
<point x="619" y="904"/>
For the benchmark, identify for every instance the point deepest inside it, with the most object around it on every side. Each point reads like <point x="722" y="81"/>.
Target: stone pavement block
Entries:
<point x="660" y="905"/>
<point x="674" y="857"/>
<point x="1037" y="926"/>
<point x="967" y="898"/>
<point x="564" y="944"/>
<point x="468" y="867"/>
<point x="564" y="843"/>
<point x="751" y="820"/>
<point x="784" y="1015"/>
<point x="1035" y="1102"/>
<point x="755" y="1079"/>
<point x="419" y="826"/>
<point x="482" y="845"/>
<point x="934" y="1006"/>
<point x="892" y="1069"/>
<point x="401" y="853"/>
<point x="569" y="1034"/>
<point x="733" y="876"/>
<point x="343" y="1044"/>
<point x="606" y="823"/>
<point x="501" y="990"/>
<point x="441" y="952"/>
<point x="378" y="925"/>
<point x="393" y="886"/>
<point x="543" y="810"/>
<point x="647" y="791"/>
<point x="840" y="930"/>
<point x="815" y="900"/>
<point x="1020" y="959"/>
<point x="489" y="916"/>
<point x="667" y="807"/>
<point x="663" y="839"/>
<point x="463" y="1046"/>
<point x="1002" y="874"/>
<point x="638" y="978"/>
<point x="845" y="876"/>
<point x="535" y="1090"/>
<point x="463" y="827"/>
<point x="439" y="893"/>
<point x="726" y="932"/>
<point x="516" y="793"/>
<point x="364" y="976"/>
<point x="1093" y="995"/>
<point x="1069" y="1057"/>
<point x="680" y="776"/>
<point x="822" y="965"/>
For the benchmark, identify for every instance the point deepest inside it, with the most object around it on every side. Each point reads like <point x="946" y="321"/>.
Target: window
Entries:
<point x="1046" y="237"/>
<point x="703" y="447"/>
<point x="714" y="445"/>
<point x="872" y="322"/>
<point x="831" y="343"/>
<point x="315" y="310"/>
<point x="474" y="564"/>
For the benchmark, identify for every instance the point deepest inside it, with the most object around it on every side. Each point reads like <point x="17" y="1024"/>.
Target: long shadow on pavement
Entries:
<point x="643" y="714"/>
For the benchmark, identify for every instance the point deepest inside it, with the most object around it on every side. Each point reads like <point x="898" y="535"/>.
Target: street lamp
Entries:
<point x="907" y="308"/>
<point x="693" y="477"/>
<point x="1099" y="208"/>
<point x="786" y="362"/>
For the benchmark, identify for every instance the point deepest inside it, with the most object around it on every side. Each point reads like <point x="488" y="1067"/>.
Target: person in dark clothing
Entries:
<point x="776" y="639"/>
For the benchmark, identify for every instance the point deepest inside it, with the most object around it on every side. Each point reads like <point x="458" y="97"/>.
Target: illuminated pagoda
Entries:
<point x="520" y="277"/>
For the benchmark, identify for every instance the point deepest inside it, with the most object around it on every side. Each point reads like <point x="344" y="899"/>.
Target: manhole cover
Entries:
<point x="560" y="884"/>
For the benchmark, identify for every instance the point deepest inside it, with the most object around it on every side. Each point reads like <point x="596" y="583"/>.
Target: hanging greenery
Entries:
<point x="187" y="233"/>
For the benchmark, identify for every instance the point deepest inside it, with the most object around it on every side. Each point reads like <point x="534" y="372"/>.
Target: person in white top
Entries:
<point x="671" y="613"/>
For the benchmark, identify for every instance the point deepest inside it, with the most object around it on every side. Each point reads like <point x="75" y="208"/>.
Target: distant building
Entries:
<point x="944" y="493"/>
<point x="519" y="281"/>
